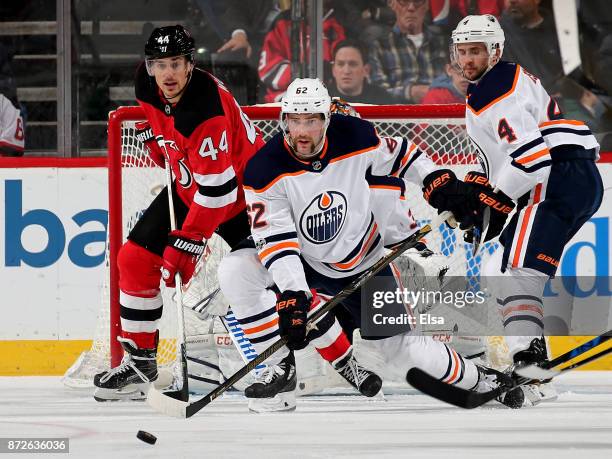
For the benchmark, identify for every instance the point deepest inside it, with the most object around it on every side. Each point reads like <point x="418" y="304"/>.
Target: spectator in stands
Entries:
<point x="247" y="25"/>
<point x="406" y="61"/>
<point x="350" y="72"/>
<point x="277" y="56"/>
<point x="449" y="88"/>
<point x="11" y="129"/>
<point x="603" y="69"/>
<point x="531" y="40"/>
<point x="7" y="79"/>
<point x="12" y="132"/>
<point x="364" y="20"/>
<point x="447" y="13"/>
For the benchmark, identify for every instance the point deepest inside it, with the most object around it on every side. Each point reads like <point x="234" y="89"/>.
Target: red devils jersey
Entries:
<point x="275" y="59"/>
<point x="209" y="140"/>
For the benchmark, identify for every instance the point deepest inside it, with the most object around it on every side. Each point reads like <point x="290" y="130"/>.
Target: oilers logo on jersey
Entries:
<point x="324" y="217"/>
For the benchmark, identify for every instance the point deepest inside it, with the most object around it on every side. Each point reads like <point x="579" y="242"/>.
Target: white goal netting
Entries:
<point x="134" y="181"/>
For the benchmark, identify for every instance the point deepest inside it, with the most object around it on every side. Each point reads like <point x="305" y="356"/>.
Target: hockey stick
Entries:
<point x="182" y="381"/>
<point x="545" y="371"/>
<point x="468" y="399"/>
<point x="173" y="407"/>
<point x="479" y="233"/>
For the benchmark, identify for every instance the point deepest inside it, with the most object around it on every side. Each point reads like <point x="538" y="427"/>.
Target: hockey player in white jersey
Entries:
<point x="535" y="162"/>
<point x="315" y="229"/>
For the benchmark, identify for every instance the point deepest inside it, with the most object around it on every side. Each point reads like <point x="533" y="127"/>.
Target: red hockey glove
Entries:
<point x="180" y="256"/>
<point x="144" y="133"/>
<point x="292" y="308"/>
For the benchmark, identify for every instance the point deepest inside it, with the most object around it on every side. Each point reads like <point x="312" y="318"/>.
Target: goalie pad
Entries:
<point x="212" y="357"/>
<point x="424" y="270"/>
<point x="202" y="294"/>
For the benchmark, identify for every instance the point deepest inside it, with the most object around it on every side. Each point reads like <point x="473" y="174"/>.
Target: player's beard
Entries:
<point x="477" y="76"/>
<point x="314" y="151"/>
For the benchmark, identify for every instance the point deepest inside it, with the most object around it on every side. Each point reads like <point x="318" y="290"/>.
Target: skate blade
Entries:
<point x="130" y="393"/>
<point x="282" y="402"/>
<point x="133" y="392"/>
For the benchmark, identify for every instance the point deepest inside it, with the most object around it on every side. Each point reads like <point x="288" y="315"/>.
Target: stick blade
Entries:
<point x="166" y="404"/>
<point x="448" y="393"/>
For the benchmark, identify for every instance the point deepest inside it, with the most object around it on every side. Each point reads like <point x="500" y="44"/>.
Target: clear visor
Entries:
<point x="175" y="64"/>
<point x="312" y="126"/>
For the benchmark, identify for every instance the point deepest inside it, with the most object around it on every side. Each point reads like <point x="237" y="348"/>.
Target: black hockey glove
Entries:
<point x="478" y="181"/>
<point x="443" y="191"/>
<point x="484" y="196"/>
<point x="501" y="206"/>
<point x="292" y="308"/>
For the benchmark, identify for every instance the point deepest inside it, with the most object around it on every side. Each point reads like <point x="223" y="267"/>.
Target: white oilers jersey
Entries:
<point x="519" y="129"/>
<point x="327" y="210"/>
<point x="11" y="127"/>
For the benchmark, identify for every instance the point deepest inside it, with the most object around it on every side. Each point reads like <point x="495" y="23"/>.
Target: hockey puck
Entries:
<point x="146" y="437"/>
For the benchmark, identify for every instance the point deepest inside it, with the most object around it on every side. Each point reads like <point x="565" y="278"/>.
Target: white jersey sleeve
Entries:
<point x="276" y="239"/>
<point x="399" y="157"/>
<point x="11" y="128"/>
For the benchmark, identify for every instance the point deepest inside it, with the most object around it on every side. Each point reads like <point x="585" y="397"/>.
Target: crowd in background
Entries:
<point x="376" y="51"/>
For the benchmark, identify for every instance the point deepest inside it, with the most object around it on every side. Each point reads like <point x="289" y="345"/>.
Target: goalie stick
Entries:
<point x="181" y="409"/>
<point x="468" y="399"/>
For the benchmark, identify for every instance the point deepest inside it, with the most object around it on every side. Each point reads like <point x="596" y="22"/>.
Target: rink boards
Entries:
<point x="53" y="234"/>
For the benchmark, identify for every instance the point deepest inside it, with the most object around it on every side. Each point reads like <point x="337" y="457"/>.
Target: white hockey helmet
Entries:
<point x="479" y="29"/>
<point x="306" y="95"/>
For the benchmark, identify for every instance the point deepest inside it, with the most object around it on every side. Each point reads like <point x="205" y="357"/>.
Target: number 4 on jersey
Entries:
<point x="208" y="149"/>
<point x="505" y="131"/>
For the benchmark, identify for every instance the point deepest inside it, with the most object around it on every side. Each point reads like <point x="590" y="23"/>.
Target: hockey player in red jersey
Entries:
<point x="195" y="122"/>
<point x="537" y="165"/>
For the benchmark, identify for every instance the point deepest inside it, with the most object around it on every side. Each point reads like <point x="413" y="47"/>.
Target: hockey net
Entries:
<point x="134" y="180"/>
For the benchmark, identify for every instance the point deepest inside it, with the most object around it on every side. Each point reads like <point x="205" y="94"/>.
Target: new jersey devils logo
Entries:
<point x="185" y="178"/>
<point x="324" y="217"/>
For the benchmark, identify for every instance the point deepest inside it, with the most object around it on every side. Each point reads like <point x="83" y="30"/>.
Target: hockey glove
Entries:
<point x="292" y="308"/>
<point x="478" y="181"/>
<point x="181" y="256"/>
<point x="443" y="191"/>
<point x="501" y="206"/>
<point x="144" y="133"/>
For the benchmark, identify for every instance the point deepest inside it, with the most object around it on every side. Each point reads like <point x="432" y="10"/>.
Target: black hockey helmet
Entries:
<point x="170" y="41"/>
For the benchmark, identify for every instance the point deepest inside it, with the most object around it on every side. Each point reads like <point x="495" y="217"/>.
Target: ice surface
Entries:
<point x="578" y="425"/>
